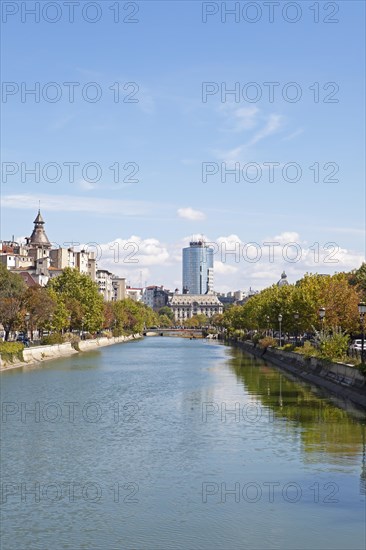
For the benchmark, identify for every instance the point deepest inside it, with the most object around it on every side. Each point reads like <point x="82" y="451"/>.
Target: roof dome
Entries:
<point x="283" y="281"/>
<point x="39" y="237"/>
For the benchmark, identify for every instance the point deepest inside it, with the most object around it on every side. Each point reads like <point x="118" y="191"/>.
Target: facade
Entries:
<point x="81" y="260"/>
<point x="111" y="287"/>
<point x="155" y="297"/>
<point x="134" y="293"/>
<point x="36" y="261"/>
<point x="105" y="286"/>
<point x="185" y="306"/>
<point x="119" y="288"/>
<point x="197" y="268"/>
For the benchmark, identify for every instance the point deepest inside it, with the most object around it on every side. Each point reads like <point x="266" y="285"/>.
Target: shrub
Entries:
<point x="308" y="350"/>
<point x="288" y="347"/>
<point x="11" y="347"/>
<point x="257" y="337"/>
<point x="268" y="342"/>
<point x="11" y="350"/>
<point x="333" y="344"/>
<point x="52" y="339"/>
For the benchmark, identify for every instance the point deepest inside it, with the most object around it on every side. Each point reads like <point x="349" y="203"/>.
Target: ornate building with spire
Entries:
<point x="38" y="242"/>
<point x="36" y="261"/>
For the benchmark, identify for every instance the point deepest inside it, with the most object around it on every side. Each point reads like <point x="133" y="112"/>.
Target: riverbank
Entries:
<point x="343" y="380"/>
<point x="39" y="354"/>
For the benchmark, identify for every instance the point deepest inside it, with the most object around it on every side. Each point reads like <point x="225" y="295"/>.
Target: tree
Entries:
<point x="196" y="321"/>
<point x="357" y="278"/>
<point x="335" y="293"/>
<point x="40" y="305"/>
<point x="166" y="310"/>
<point x="81" y="298"/>
<point x="133" y="316"/>
<point x="165" y="321"/>
<point x="12" y="289"/>
<point x="108" y="315"/>
<point x="60" y="318"/>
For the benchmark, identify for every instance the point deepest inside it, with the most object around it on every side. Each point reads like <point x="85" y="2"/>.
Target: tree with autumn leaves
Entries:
<point x="72" y="301"/>
<point x="338" y="294"/>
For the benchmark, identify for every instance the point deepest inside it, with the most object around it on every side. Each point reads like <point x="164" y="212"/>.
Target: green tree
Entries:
<point x="166" y="310"/>
<point x="12" y="290"/>
<point x="41" y="306"/>
<point x="60" y="318"/>
<point x="81" y="298"/>
<point x="133" y="317"/>
<point x="165" y="321"/>
<point x="357" y="278"/>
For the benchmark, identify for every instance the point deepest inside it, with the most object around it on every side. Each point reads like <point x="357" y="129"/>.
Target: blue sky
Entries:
<point x="170" y="131"/>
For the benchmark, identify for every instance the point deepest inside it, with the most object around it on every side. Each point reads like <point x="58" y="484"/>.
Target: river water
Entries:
<point x="169" y="443"/>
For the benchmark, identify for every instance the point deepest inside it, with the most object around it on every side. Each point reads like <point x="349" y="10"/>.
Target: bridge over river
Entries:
<point x="182" y="332"/>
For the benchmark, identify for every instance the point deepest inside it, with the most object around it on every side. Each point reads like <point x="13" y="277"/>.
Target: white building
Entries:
<point x="134" y="293"/>
<point x="185" y="306"/>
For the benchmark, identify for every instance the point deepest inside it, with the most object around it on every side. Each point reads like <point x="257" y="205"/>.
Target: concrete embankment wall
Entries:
<point x="89" y="345"/>
<point x="38" y="354"/>
<point x="343" y="380"/>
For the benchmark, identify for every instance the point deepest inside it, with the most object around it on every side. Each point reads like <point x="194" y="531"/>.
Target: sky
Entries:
<point x="154" y="122"/>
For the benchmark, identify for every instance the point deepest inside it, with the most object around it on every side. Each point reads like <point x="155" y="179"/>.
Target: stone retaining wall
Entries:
<point x="88" y="345"/>
<point x="38" y="354"/>
<point x="341" y="379"/>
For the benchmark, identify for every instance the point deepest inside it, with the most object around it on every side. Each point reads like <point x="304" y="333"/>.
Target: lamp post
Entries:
<point x="296" y="317"/>
<point x="82" y="328"/>
<point x="322" y="316"/>
<point x="267" y="319"/>
<point x="362" y="311"/>
<point x="280" y="321"/>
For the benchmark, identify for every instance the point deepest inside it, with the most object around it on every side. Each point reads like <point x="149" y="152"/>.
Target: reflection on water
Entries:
<point x="329" y="433"/>
<point x="172" y="459"/>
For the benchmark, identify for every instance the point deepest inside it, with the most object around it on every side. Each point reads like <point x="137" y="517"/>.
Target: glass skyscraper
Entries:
<point x="197" y="268"/>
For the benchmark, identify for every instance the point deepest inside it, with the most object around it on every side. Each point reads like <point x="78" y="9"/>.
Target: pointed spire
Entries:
<point x="39" y="219"/>
<point x="39" y="237"/>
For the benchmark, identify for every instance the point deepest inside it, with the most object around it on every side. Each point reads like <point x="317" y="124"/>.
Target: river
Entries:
<point x="169" y="443"/>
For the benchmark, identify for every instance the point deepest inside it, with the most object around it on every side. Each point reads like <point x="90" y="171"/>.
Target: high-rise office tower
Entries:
<point x="197" y="268"/>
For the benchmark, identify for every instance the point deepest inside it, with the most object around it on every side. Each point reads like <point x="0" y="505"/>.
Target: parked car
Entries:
<point x="357" y="344"/>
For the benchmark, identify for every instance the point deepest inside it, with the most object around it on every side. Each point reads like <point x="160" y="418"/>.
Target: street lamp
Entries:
<point x="362" y="311"/>
<point x="296" y="317"/>
<point x="280" y="321"/>
<point x="322" y="315"/>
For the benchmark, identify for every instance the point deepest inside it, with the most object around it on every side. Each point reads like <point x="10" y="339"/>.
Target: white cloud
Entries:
<point x="87" y="185"/>
<point x="239" y="118"/>
<point x="224" y="269"/>
<point x="133" y="253"/>
<point x="74" y="203"/>
<point x="287" y="237"/>
<point x="272" y="126"/>
<point x="294" y="135"/>
<point x="190" y="214"/>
